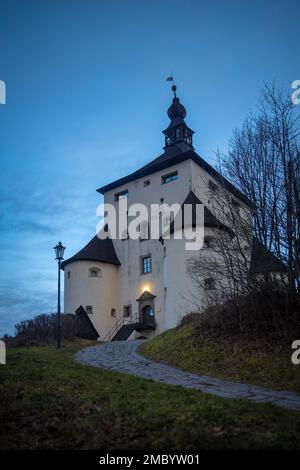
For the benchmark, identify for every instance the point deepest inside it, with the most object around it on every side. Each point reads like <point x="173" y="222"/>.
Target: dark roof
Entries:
<point x="210" y="220"/>
<point x="262" y="260"/>
<point x="172" y="156"/>
<point x="87" y="329"/>
<point x="96" y="250"/>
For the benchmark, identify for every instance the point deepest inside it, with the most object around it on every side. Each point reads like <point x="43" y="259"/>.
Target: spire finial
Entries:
<point x="174" y="88"/>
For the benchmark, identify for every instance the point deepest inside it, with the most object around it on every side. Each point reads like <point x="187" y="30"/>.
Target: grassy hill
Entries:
<point x="255" y="361"/>
<point x="48" y="401"/>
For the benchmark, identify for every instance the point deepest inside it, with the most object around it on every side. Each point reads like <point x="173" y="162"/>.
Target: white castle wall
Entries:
<point x="99" y="292"/>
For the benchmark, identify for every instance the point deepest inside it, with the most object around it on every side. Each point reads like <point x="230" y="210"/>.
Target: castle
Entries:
<point x="124" y="288"/>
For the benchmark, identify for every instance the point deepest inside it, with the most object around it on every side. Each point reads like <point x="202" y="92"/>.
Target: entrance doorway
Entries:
<point x="146" y="311"/>
<point x="148" y="317"/>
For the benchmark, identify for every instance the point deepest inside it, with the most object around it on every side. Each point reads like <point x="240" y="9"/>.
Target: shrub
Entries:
<point x="262" y="314"/>
<point x="42" y="330"/>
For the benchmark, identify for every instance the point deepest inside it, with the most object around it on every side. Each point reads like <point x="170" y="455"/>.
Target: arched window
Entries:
<point x="95" y="272"/>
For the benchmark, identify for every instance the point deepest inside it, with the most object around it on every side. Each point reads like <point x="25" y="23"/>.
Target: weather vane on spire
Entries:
<point x="174" y="88"/>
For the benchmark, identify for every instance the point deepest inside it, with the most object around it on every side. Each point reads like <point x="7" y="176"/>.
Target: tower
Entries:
<point x="178" y="133"/>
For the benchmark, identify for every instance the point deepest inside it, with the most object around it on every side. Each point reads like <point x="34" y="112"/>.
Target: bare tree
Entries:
<point x="221" y="270"/>
<point x="263" y="162"/>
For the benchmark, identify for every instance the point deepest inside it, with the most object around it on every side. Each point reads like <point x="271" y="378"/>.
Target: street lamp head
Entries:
<point x="59" y="251"/>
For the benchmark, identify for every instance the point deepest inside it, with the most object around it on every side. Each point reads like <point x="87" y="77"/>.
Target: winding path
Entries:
<point x="122" y="356"/>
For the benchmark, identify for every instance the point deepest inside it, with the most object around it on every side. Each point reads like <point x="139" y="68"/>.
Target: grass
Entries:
<point x="48" y="401"/>
<point x="253" y="362"/>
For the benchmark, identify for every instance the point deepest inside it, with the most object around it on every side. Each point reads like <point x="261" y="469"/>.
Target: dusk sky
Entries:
<point x="86" y="103"/>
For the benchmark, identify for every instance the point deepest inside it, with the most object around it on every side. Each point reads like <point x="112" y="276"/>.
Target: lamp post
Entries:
<point x="59" y="252"/>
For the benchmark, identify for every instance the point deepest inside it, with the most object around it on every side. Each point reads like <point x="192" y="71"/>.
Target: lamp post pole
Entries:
<point x="59" y="251"/>
<point x="58" y="310"/>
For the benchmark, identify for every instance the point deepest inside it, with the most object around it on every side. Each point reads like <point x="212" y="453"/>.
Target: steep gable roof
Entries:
<point x="87" y="329"/>
<point x="210" y="220"/>
<point x="262" y="260"/>
<point x="96" y="250"/>
<point x="172" y="156"/>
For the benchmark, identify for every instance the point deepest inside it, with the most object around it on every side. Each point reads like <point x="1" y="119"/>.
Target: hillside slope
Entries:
<point x="248" y="361"/>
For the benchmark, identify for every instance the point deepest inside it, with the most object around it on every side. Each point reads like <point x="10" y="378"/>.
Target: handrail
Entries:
<point x="118" y="325"/>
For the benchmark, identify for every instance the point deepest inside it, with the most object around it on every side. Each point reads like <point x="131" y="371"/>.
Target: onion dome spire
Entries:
<point x="177" y="131"/>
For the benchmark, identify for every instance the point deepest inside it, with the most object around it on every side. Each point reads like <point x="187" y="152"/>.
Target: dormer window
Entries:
<point x="121" y="195"/>
<point x="169" y="178"/>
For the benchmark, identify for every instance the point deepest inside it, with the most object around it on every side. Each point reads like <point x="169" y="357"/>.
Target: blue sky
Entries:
<point x="87" y="101"/>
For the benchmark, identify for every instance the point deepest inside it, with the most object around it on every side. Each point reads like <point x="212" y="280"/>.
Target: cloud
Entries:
<point x="17" y="304"/>
<point x="30" y="227"/>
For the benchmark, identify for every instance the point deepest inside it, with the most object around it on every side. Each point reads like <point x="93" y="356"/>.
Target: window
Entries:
<point x="147" y="183"/>
<point x="95" y="272"/>
<point x="113" y="312"/>
<point x="146" y="264"/>
<point x="170" y="177"/>
<point x="89" y="309"/>
<point x="68" y="275"/>
<point x="209" y="242"/>
<point x="121" y="195"/>
<point x="213" y="186"/>
<point x="209" y="283"/>
<point x="127" y="309"/>
<point x="235" y="205"/>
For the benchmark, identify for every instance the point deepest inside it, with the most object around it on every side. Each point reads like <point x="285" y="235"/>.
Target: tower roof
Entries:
<point x="263" y="260"/>
<point x="210" y="220"/>
<point x="96" y="250"/>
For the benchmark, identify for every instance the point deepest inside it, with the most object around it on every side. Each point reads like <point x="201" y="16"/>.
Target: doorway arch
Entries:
<point x="148" y="317"/>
